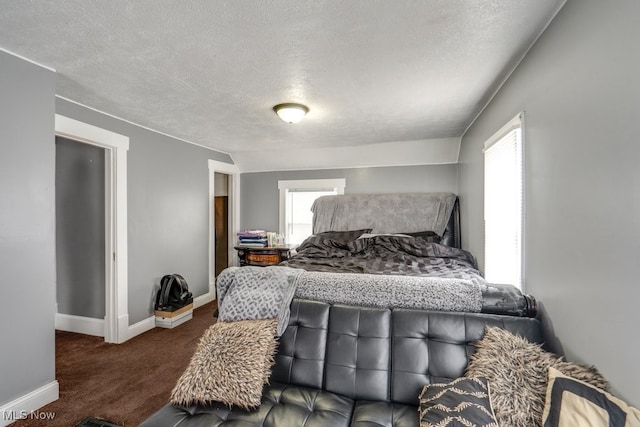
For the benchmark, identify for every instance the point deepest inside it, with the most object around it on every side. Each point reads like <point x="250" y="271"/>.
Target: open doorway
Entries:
<point x="80" y="236"/>
<point x="221" y="232"/>
<point x="114" y="324"/>
<point x="224" y="191"/>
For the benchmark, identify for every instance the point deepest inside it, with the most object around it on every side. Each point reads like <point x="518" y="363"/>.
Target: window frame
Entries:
<point x="284" y="186"/>
<point x="518" y="122"/>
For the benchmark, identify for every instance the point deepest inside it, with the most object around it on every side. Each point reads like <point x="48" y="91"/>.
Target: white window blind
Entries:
<point x="296" y="198"/>
<point x="503" y="202"/>
<point x="299" y="215"/>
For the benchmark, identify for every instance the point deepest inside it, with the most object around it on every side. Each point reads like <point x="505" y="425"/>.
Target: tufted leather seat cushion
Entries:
<point x="384" y="414"/>
<point x="302" y="406"/>
<point x="282" y="405"/>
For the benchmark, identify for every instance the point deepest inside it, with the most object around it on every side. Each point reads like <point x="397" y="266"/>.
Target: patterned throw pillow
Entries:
<point x="570" y="402"/>
<point x="231" y="365"/>
<point x="517" y="371"/>
<point x="461" y="402"/>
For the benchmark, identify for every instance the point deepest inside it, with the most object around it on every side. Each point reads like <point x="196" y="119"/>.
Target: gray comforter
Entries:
<point x="405" y="256"/>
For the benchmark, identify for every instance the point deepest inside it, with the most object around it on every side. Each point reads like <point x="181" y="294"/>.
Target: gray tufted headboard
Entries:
<point x="390" y="213"/>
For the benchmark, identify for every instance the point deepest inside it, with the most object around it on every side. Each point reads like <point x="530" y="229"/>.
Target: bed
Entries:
<point x="378" y="240"/>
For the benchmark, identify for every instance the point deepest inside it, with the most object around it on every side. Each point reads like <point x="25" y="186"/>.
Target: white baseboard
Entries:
<point x="26" y="407"/>
<point x="141" y="327"/>
<point x="80" y="324"/>
<point x="123" y="329"/>
<point x="204" y="299"/>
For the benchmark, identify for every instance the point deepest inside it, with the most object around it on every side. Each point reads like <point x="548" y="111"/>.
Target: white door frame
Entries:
<point x="116" y="320"/>
<point x="233" y="173"/>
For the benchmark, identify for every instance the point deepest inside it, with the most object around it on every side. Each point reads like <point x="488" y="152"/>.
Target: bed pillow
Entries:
<point x="344" y="236"/>
<point x="517" y="371"/>
<point x="371" y="235"/>
<point x="230" y="365"/>
<point x="463" y="401"/>
<point x="429" y="236"/>
<point x="570" y="402"/>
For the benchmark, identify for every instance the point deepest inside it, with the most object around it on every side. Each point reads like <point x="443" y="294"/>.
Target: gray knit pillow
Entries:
<point x="231" y="365"/>
<point x="518" y="373"/>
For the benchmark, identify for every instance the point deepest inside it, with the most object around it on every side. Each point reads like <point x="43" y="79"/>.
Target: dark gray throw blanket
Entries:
<point x="254" y="293"/>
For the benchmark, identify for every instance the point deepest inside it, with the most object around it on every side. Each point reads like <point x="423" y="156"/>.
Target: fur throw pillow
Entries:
<point x="518" y="373"/>
<point x="231" y="365"/>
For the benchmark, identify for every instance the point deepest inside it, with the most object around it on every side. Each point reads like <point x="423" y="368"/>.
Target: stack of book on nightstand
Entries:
<point x="253" y="238"/>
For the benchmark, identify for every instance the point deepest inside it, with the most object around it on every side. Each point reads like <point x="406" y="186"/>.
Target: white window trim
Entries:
<point x="517" y="122"/>
<point x="337" y="184"/>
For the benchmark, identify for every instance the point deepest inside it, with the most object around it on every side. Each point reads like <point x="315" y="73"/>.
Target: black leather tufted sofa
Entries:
<point x="340" y="365"/>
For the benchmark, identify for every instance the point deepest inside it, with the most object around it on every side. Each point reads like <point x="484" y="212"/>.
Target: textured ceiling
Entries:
<point x="209" y="72"/>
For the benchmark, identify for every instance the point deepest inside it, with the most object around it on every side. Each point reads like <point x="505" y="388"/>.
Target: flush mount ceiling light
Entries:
<point x="291" y="112"/>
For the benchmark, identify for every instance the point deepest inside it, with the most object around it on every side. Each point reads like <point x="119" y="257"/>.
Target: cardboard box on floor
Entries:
<point x="171" y="319"/>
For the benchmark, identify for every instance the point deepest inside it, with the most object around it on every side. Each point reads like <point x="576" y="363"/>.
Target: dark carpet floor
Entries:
<point x="120" y="383"/>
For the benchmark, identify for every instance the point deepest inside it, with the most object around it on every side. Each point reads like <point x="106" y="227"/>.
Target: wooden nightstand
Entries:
<point x="270" y="255"/>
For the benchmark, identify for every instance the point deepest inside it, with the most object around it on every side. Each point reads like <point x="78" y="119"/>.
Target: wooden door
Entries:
<point x="221" y="205"/>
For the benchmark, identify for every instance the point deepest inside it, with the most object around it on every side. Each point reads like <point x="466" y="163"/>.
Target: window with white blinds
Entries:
<point x="296" y="198"/>
<point x="503" y="202"/>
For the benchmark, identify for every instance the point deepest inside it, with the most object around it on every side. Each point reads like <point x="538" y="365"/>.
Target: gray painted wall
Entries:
<point x="80" y="229"/>
<point x="168" y="207"/>
<point x="580" y="89"/>
<point x="27" y="241"/>
<point x="259" y="191"/>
